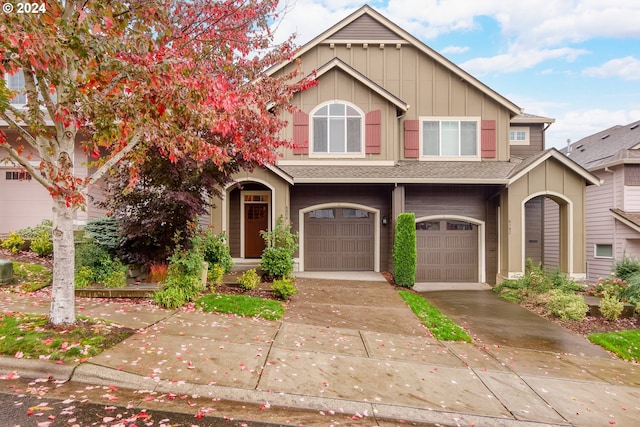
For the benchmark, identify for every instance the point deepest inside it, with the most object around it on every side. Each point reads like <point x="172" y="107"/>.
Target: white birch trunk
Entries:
<point x="62" y="311"/>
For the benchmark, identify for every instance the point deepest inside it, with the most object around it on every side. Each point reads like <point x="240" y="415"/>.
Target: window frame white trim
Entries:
<point x="440" y="119"/>
<point x="595" y="251"/>
<point x="328" y="154"/>
<point x="527" y="133"/>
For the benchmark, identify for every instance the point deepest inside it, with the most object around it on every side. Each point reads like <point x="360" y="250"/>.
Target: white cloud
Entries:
<point x="627" y="68"/>
<point x="455" y="49"/>
<point x="517" y="60"/>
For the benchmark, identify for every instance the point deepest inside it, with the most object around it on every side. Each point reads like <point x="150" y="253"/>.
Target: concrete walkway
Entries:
<point x="349" y="347"/>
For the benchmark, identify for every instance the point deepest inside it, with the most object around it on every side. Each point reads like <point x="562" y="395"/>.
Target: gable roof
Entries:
<point x="366" y="25"/>
<point x="337" y="63"/>
<point x="534" y="161"/>
<point x="614" y="145"/>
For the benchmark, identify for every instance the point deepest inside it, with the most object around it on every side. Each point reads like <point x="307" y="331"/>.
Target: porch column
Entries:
<point x="397" y="203"/>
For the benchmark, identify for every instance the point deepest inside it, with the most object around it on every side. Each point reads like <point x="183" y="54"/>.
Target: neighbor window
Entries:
<point x="603" y="251"/>
<point x="17" y="176"/>
<point x="519" y="136"/>
<point x="16" y="82"/>
<point x="450" y="137"/>
<point x="337" y="129"/>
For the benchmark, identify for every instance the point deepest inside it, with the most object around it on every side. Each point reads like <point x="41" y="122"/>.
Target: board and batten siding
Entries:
<point x="600" y="224"/>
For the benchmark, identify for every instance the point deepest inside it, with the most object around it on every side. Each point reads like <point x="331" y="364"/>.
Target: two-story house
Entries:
<point x="392" y="126"/>
<point x="613" y="208"/>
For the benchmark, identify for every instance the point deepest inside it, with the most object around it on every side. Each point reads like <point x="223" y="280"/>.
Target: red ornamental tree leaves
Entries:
<point x="122" y="76"/>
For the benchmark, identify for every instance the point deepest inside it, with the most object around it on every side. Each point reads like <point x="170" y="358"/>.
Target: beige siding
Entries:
<point x="551" y="236"/>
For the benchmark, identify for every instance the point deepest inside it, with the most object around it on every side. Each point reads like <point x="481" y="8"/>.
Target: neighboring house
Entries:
<point x="392" y="126"/>
<point x="613" y="208"/>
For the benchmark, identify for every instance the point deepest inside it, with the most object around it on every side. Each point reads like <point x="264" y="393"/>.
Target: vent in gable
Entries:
<point x="605" y="137"/>
<point x="634" y="126"/>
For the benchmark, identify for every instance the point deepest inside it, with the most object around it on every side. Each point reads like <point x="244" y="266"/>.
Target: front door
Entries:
<point x="256" y="219"/>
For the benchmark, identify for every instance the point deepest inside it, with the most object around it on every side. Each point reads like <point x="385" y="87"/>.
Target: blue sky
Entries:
<point x="577" y="61"/>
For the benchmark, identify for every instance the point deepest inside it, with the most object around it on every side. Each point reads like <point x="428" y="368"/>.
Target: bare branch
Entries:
<point x="99" y="173"/>
<point x="14" y="125"/>
<point x="33" y="171"/>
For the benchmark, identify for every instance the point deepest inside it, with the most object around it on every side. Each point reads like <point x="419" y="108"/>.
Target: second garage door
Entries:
<point x="339" y="239"/>
<point x="447" y="251"/>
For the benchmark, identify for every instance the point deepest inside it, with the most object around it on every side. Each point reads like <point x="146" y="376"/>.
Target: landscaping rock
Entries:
<point x="6" y="271"/>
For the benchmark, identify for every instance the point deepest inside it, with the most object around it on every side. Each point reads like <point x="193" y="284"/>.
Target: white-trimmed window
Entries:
<point x="338" y="129"/>
<point x="450" y="137"/>
<point x="519" y="136"/>
<point x="16" y="82"/>
<point x="603" y="250"/>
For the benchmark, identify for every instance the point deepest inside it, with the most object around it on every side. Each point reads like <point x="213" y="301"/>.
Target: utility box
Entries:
<point x="6" y="271"/>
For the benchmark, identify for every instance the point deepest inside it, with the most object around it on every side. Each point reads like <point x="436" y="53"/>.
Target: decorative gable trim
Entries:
<point x="488" y="139"/>
<point x="373" y="132"/>
<point x="300" y="132"/>
<point x="411" y="139"/>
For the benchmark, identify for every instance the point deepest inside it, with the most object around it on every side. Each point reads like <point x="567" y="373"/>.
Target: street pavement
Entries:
<point x="348" y="347"/>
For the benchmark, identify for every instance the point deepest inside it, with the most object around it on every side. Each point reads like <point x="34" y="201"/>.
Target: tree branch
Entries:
<point x="99" y="173"/>
<point x="33" y="171"/>
<point x="14" y="125"/>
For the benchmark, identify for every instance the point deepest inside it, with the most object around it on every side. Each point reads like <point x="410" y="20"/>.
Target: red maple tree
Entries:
<point x="118" y="77"/>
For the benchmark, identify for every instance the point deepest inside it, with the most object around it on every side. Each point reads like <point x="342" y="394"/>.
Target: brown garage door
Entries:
<point x="338" y="239"/>
<point x="447" y="251"/>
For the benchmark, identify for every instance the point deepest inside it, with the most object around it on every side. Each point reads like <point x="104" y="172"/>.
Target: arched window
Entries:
<point x="337" y="129"/>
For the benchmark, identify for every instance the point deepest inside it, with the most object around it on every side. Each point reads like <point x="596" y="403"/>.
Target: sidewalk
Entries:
<point x="352" y="347"/>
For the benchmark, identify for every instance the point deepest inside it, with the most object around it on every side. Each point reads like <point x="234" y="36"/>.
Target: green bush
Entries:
<point x="117" y="278"/>
<point x="631" y="291"/>
<point x="104" y="232"/>
<point x="30" y="233"/>
<point x="183" y="283"/>
<point x="215" y="275"/>
<point x="42" y="244"/>
<point x="611" y="307"/>
<point x="626" y="267"/>
<point x="13" y="243"/>
<point x="405" y="255"/>
<point x="249" y="279"/>
<point x="284" y="288"/>
<point x="567" y="306"/>
<point x="277" y="257"/>
<point x="84" y="277"/>
<point x="216" y="250"/>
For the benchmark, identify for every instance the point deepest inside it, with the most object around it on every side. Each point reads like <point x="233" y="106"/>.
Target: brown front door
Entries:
<point x="256" y="219"/>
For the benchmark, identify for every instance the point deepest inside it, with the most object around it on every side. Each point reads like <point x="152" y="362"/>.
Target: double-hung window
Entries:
<point x="450" y="137"/>
<point x="16" y="82"/>
<point x="337" y="130"/>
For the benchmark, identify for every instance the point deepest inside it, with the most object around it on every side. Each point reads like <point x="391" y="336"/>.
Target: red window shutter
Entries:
<point x="300" y="133"/>
<point x="488" y="139"/>
<point x="411" y="139"/>
<point x="373" y="132"/>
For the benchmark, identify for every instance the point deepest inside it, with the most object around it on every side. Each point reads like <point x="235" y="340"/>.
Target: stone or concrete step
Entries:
<point x="594" y="307"/>
<point x="142" y="290"/>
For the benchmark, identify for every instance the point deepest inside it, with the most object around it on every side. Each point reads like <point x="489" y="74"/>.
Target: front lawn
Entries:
<point x="30" y="336"/>
<point x="242" y="305"/>
<point x="440" y="325"/>
<point x="624" y="344"/>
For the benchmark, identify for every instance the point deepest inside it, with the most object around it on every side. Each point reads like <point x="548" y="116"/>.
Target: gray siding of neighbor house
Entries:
<point x="600" y="224"/>
<point x="476" y="202"/>
<point x="374" y="196"/>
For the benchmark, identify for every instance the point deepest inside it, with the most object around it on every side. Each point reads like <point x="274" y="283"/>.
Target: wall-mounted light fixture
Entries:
<point x="384" y="220"/>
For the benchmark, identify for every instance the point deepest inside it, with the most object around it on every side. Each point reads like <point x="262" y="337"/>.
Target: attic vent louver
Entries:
<point x="634" y="126"/>
<point x="579" y="147"/>
<point x="605" y="137"/>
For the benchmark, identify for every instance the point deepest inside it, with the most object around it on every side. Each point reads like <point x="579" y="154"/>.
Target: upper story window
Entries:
<point x="16" y="82"/>
<point x="519" y="136"/>
<point x="337" y="130"/>
<point x="450" y="137"/>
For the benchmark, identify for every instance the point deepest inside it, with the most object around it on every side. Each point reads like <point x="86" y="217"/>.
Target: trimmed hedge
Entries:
<point x="405" y="254"/>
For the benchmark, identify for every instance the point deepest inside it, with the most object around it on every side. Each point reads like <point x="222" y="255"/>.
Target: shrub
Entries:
<point x="567" y="306"/>
<point x="157" y="273"/>
<point x="249" y="279"/>
<point x="405" y="255"/>
<point x="104" y="232"/>
<point x="117" y="278"/>
<point x="277" y="257"/>
<point x="631" y="291"/>
<point x="611" y="285"/>
<point x="215" y="275"/>
<point x="13" y="243"/>
<point x="84" y="277"/>
<point x="42" y="244"/>
<point x="216" y="250"/>
<point x="611" y="307"/>
<point x="626" y="267"/>
<point x="92" y="255"/>
<point x="30" y="233"/>
<point x="284" y="288"/>
<point x="183" y="283"/>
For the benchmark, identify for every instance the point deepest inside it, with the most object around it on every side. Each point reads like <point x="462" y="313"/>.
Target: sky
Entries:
<point x="577" y="61"/>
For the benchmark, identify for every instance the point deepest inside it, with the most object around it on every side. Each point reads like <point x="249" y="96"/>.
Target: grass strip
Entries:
<point x="31" y="277"/>
<point x="31" y="336"/>
<point x="440" y="325"/>
<point x="624" y="344"/>
<point x="242" y="305"/>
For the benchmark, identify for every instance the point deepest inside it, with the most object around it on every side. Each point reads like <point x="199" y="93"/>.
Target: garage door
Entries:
<point x="23" y="201"/>
<point x="447" y="251"/>
<point x="339" y="239"/>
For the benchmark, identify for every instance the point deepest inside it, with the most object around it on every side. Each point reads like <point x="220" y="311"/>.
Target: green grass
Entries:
<point x="625" y="344"/>
<point x="31" y="277"/>
<point x="242" y="305"/>
<point x="30" y="336"/>
<point x="440" y="325"/>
